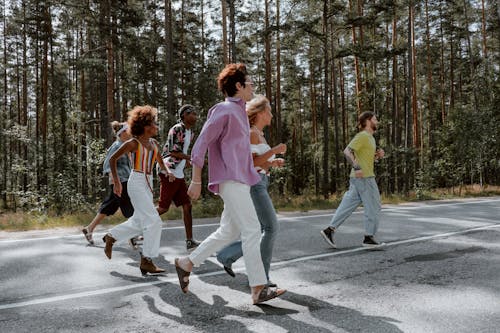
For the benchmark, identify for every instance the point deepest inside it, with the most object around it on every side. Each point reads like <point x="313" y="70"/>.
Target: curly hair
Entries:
<point x="140" y="117"/>
<point x="228" y="77"/>
<point x="255" y="106"/>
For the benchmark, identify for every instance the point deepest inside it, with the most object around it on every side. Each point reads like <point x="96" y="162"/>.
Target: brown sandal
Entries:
<point x="182" y="274"/>
<point x="267" y="294"/>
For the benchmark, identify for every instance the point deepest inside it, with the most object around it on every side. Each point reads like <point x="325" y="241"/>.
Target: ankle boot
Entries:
<point x="147" y="266"/>
<point x="108" y="245"/>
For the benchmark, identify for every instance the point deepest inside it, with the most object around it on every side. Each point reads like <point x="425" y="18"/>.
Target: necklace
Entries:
<point x="258" y="130"/>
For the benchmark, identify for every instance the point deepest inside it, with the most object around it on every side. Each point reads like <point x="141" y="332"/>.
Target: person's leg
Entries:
<point x="150" y="220"/>
<point x="188" y="220"/>
<point x="348" y="205"/>
<point x="226" y="233"/>
<point x="132" y="227"/>
<point x="267" y="218"/>
<point x="166" y="194"/>
<point x="181" y="198"/>
<point x="371" y="202"/>
<point x="242" y="211"/>
<point x="238" y="215"/>
<point x="109" y="206"/>
<point x="228" y="255"/>
<point x="96" y="221"/>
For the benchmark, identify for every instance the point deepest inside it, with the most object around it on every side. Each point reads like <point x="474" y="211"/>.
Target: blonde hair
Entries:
<point x="116" y="126"/>
<point x="255" y="106"/>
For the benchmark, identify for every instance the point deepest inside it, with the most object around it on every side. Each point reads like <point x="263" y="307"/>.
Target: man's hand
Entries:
<point x="379" y="153"/>
<point x="358" y="173"/>
<point x="194" y="191"/>
<point x="171" y="177"/>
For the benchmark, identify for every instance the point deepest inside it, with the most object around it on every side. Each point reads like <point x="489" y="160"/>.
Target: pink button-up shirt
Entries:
<point x="226" y="136"/>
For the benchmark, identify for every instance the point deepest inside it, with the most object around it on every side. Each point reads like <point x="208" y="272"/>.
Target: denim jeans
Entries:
<point x="269" y="227"/>
<point x="361" y="191"/>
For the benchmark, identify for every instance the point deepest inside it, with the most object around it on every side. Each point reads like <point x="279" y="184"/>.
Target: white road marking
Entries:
<point x="280" y="219"/>
<point x="195" y="276"/>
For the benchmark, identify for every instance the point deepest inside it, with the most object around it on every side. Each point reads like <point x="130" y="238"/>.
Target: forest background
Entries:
<point x="428" y="69"/>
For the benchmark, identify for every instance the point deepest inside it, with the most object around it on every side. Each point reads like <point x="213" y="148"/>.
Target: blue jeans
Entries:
<point x="361" y="191"/>
<point x="268" y="223"/>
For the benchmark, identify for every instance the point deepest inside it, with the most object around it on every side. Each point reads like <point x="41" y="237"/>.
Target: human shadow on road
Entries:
<point x="218" y="316"/>
<point x="198" y="314"/>
<point x="344" y="318"/>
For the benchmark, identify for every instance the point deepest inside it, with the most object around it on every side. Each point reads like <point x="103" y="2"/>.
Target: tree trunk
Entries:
<point x="24" y="111"/>
<point x="357" y="71"/>
<point x="104" y="24"/>
<point x="225" y="48"/>
<point x="278" y="121"/>
<point x="169" y="46"/>
<point x="45" y="88"/>
<point x="268" y="66"/>
<point x="232" y="28"/>
<point x="3" y="139"/>
<point x="326" y="106"/>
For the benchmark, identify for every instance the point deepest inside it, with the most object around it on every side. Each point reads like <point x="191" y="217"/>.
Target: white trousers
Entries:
<point x="145" y="221"/>
<point x="238" y="219"/>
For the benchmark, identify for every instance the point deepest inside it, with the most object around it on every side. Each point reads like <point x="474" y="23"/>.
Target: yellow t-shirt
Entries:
<point x="364" y="147"/>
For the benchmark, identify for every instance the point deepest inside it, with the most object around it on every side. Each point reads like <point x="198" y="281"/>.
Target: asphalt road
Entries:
<point x="439" y="272"/>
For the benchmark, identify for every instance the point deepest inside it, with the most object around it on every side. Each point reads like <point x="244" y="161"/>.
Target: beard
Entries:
<point x="374" y="127"/>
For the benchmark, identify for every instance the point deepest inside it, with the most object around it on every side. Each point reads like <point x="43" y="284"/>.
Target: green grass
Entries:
<point x="212" y="206"/>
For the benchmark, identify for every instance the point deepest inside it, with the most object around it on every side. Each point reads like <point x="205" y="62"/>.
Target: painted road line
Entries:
<point x="280" y="219"/>
<point x="195" y="276"/>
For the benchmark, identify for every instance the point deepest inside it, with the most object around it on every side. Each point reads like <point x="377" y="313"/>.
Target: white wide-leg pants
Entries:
<point x="238" y="219"/>
<point x="145" y="221"/>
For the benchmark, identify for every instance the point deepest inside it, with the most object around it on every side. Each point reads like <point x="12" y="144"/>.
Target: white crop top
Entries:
<point x="260" y="149"/>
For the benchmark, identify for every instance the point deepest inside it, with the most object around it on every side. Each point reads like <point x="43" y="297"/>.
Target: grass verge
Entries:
<point x="212" y="206"/>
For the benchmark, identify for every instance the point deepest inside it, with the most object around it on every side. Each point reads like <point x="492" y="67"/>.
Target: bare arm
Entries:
<point x="194" y="189"/>
<point x="125" y="148"/>
<point x="262" y="160"/>
<point x="164" y="170"/>
<point x="180" y="156"/>
<point x="349" y="155"/>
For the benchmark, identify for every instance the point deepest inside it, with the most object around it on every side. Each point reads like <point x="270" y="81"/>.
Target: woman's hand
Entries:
<point x="278" y="162"/>
<point x="117" y="189"/>
<point x="279" y="149"/>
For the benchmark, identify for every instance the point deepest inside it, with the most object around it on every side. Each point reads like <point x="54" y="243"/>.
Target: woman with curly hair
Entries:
<point x="143" y="152"/>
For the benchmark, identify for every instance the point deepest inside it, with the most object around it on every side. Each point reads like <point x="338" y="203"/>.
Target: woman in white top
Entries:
<point x="264" y="157"/>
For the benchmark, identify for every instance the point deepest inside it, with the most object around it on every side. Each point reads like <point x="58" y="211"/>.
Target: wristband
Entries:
<point x="195" y="183"/>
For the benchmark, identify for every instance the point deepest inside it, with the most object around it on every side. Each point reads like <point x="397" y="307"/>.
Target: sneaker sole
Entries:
<point x="325" y="237"/>
<point x="373" y="246"/>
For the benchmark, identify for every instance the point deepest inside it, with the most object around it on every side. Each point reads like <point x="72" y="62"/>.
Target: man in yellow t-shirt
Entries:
<point x="361" y="153"/>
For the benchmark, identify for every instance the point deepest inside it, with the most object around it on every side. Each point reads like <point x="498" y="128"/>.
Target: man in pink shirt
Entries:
<point x="226" y="136"/>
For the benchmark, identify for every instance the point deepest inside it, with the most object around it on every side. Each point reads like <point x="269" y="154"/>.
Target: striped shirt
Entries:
<point x="143" y="159"/>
